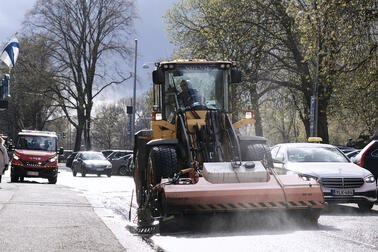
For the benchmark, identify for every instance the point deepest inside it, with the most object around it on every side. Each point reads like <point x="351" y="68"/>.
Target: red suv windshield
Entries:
<point x="36" y="143"/>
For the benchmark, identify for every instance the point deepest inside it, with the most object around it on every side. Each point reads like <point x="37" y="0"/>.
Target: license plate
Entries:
<point x="99" y="169"/>
<point x="32" y="173"/>
<point x="342" y="192"/>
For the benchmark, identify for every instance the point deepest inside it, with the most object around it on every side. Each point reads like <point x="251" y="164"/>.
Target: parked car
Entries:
<point x="345" y="149"/>
<point x="70" y="158"/>
<point x="91" y="162"/>
<point x="63" y="157"/>
<point x="106" y="153"/>
<point x="118" y="153"/>
<point x="368" y="158"/>
<point x="121" y="166"/>
<point x="352" y="153"/>
<point x="342" y="181"/>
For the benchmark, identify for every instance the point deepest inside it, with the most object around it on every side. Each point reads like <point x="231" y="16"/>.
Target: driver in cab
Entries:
<point x="188" y="95"/>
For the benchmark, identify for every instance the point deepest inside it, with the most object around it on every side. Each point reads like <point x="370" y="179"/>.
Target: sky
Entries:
<point x="150" y="32"/>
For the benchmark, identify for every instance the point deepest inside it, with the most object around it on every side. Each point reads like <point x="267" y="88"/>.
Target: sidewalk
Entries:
<point x="44" y="217"/>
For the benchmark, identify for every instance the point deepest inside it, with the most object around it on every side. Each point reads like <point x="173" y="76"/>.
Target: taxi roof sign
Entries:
<point x="314" y="139"/>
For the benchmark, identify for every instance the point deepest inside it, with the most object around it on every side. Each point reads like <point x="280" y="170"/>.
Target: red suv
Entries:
<point x="368" y="158"/>
<point x="35" y="155"/>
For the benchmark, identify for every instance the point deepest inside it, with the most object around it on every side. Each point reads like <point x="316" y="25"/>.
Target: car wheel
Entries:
<point x="98" y="174"/>
<point x="14" y="178"/>
<point x="74" y="172"/>
<point x="22" y="179"/>
<point x="365" y="206"/>
<point x="109" y="173"/>
<point x="123" y="171"/>
<point x="53" y="180"/>
<point x="83" y="171"/>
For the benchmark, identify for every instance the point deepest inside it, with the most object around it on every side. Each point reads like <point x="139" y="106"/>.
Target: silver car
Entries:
<point x="342" y="181"/>
<point x="91" y="162"/>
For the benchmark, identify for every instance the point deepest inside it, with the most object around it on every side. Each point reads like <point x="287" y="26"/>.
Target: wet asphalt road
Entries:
<point x="340" y="228"/>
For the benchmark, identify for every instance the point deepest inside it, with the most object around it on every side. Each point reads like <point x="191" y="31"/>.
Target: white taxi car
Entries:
<point x="342" y="181"/>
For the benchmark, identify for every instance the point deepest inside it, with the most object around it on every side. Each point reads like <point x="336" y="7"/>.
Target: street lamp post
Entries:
<point x="134" y="95"/>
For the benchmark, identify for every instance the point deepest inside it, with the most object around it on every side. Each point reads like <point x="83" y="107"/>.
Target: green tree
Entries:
<point x="338" y="43"/>
<point x="82" y="35"/>
<point x="30" y="104"/>
<point x="303" y="46"/>
<point x="224" y="30"/>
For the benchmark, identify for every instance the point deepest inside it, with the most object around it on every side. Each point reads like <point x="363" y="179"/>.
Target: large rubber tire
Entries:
<point x="365" y="206"/>
<point x="162" y="163"/>
<point x="14" y="178"/>
<point x="140" y="176"/>
<point x="258" y="152"/>
<point x="53" y="180"/>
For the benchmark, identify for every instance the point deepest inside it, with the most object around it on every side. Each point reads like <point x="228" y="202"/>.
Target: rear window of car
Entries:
<point x="93" y="156"/>
<point x="315" y="154"/>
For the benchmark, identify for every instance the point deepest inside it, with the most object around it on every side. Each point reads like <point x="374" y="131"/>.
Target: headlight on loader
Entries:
<point x="158" y="117"/>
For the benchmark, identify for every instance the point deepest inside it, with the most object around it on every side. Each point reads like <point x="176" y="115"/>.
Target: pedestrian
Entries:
<point x="4" y="160"/>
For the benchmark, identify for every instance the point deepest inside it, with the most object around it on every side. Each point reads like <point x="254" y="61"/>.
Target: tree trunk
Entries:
<point x="256" y="110"/>
<point x="322" y="119"/>
<point x="79" y="131"/>
<point x="87" y="139"/>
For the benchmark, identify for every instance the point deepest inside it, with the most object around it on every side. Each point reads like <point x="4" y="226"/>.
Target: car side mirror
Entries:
<point x="235" y="76"/>
<point x="278" y="161"/>
<point x="11" y="147"/>
<point x="158" y="76"/>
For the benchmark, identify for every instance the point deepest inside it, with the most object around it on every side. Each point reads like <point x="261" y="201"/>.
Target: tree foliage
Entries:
<point x="81" y="35"/>
<point x="293" y="48"/>
<point x="30" y="106"/>
<point x="220" y="30"/>
<point x="110" y="126"/>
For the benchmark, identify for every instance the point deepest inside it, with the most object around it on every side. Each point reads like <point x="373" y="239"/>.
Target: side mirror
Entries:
<point x="11" y="147"/>
<point x="158" y="76"/>
<point x="278" y="161"/>
<point x="235" y="76"/>
<point x="61" y="151"/>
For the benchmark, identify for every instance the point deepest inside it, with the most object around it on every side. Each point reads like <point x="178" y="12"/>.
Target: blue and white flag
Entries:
<point x="10" y="52"/>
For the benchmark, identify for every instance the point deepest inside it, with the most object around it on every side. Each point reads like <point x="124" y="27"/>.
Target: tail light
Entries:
<point x="364" y="150"/>
<point x="361" y="161"/>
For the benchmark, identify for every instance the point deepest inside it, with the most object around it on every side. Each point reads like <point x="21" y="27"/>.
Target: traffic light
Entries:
<point x="129" y="109"/>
